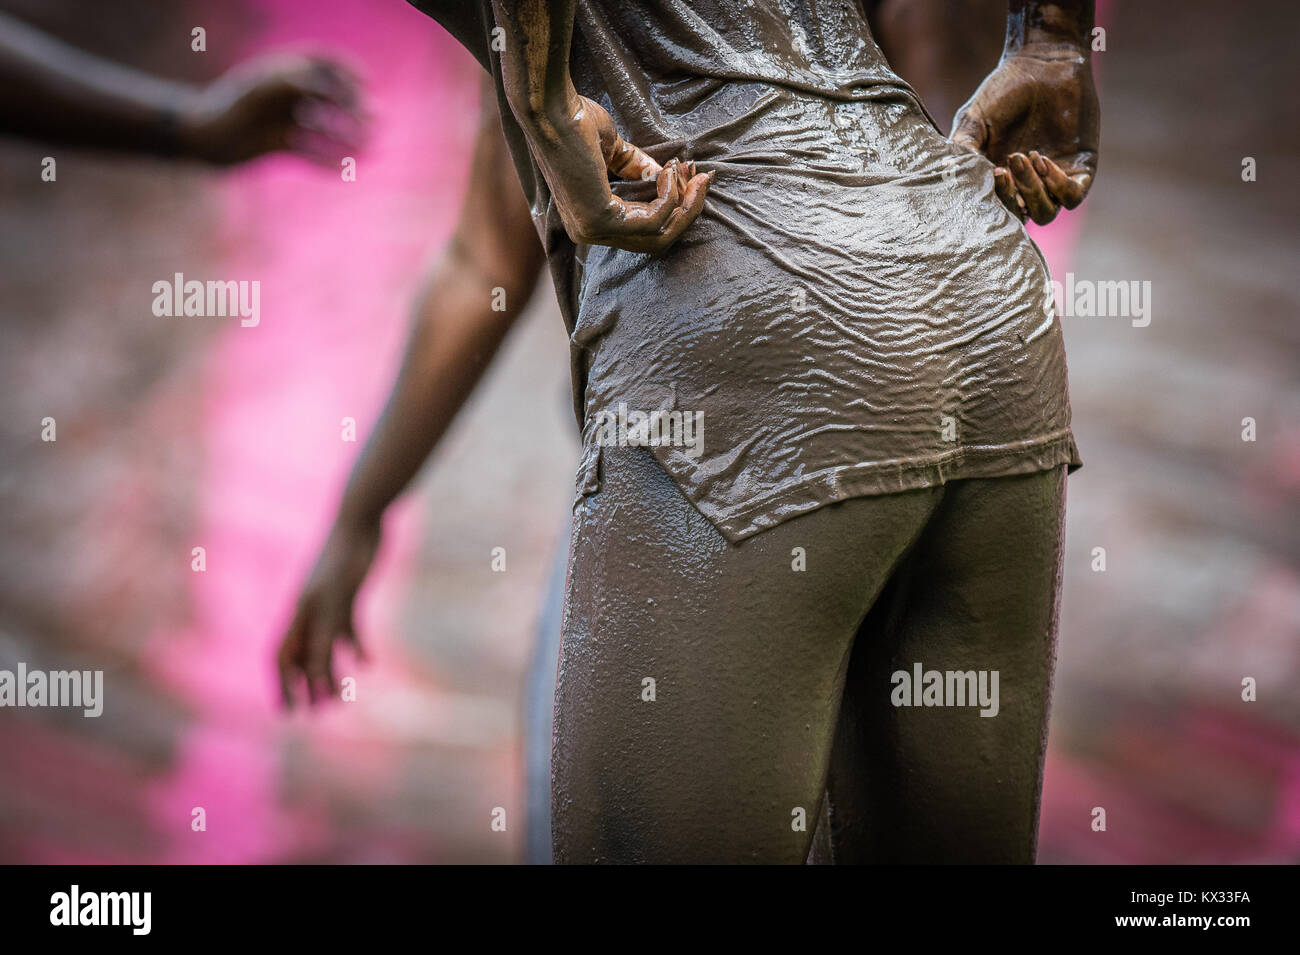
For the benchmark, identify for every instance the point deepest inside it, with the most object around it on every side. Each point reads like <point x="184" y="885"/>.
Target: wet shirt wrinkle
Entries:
<point x="853" y="313"/>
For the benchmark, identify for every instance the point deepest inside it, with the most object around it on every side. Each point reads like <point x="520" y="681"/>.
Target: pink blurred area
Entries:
<point x="204" y="433"/>
<point x="263" y="430"/>
<point x="333" y="257"/>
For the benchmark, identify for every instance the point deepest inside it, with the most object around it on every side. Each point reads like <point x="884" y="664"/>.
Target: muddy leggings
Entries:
<point x="701" y="682"/>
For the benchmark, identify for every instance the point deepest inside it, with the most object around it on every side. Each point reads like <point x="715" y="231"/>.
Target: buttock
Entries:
<point x="701" y="679"/>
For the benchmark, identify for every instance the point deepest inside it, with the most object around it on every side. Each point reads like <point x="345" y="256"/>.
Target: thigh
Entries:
<point x="978" y="593"/>
<point x="699" y="679"/>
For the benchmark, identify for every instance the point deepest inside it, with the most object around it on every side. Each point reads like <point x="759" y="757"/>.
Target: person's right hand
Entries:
<point x="324" y="615"/>
<point x="580" y="150"/>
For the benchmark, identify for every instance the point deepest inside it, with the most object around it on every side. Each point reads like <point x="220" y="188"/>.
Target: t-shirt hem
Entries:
<point x="885" y="477"/>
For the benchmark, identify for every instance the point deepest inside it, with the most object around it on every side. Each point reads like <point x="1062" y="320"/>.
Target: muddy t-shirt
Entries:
<point x="853" y="313"/>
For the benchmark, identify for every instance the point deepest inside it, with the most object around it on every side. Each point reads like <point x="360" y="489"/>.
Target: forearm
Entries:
<point x="493" y="253"/>
<point x="535" y="63"/>
<point x="52" y="91"/>
<point x="1049" y="23"/>
<point x="453" y="339"/>
<point x="562" y="129"/>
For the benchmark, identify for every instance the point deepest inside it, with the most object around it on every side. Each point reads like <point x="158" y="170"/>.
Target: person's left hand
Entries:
<point x="302" y="105"/>
<point x="1037" y="119"/>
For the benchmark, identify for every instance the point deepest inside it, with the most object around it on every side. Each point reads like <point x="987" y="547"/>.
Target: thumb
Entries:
<point x="969" y="130"/>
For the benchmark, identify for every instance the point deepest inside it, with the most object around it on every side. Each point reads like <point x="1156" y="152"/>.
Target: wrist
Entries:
<point x="1044" y="25"/>
<point x="1050" y="51"/>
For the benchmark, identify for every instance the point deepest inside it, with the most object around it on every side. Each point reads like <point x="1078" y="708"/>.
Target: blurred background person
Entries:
<point x="53" y="92"/>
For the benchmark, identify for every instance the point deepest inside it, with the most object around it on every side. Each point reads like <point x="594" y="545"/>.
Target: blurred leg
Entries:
<point x="539" y="711"/>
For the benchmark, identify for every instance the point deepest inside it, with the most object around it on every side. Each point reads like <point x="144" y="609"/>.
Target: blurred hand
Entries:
<point x="324" y="615"/>
<point x="1036" y="118"/>
<point x="301" y="105"/>
<point x="579" y="153"/>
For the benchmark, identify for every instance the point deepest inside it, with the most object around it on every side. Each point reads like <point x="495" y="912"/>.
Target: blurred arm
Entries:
<point x="54" y="92"/>
<point x="454" y="335"/>
<point x="455" y="332"/>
